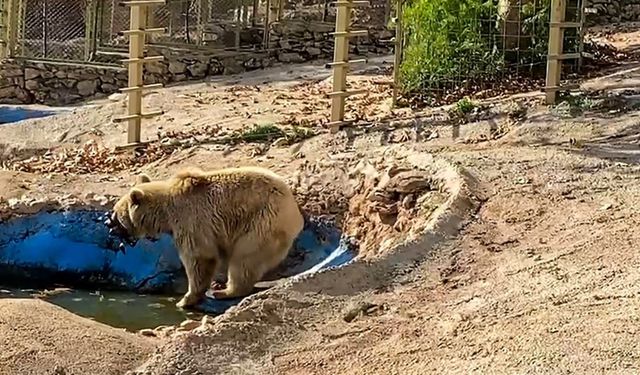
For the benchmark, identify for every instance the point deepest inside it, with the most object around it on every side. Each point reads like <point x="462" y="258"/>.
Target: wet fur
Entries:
<point x="239" y="220"/>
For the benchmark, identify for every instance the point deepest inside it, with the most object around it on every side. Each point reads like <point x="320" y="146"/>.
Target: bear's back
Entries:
<point x="238" y="197"/>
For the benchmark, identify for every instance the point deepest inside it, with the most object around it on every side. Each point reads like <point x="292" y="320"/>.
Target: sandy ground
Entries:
<point x="542" y="278"/>
<point x="40" y="338"/>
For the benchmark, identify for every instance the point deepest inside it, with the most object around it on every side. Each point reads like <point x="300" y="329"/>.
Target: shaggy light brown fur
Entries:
<point x="244" y="219"/>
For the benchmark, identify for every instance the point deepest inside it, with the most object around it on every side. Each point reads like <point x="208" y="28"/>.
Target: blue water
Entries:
<point x="74" y="249"/>
<point x="13" y="114"/>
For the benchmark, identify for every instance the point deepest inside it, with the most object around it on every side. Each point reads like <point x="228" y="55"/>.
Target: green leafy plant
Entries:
<point x="447" y="39"/>
<point x="449" y="44"/>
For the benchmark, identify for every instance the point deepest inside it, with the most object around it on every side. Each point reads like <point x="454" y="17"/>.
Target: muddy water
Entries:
<point x="138" y="287"/>
<point x="118" y="309"/>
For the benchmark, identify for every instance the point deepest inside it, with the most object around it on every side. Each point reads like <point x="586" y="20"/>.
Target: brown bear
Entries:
<point x="243" y="219"/>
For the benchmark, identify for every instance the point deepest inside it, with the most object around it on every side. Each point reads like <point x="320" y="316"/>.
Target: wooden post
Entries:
<point x="238" y="28"/>
<point x="90" y="32"/>
<point x="340" y="55"/>
<point x="556" y="33"/>
<point x="3" y="29"/>
<point x="137" y="31"/>
<point x="200" y="22"/>
<point x="399" y="44"/>
<point x="581" y="32"/>
<point x="273" y="6"/>
<point x="267" y="23"/>
<point x="341" y="61"/>
<point x="12" y="9"/>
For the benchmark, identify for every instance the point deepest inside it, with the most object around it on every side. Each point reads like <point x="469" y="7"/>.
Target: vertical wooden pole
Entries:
<point x="581" y="32"/>
<point x="137" y="31"/>
<point x="12" y="26"/>
<point x="3" y="29"/>
<point x="267" y="22"/>
<point x="200" y="22"/>
<point x="254" y="12"/>
<point x="90" y="32"/>
<point x="280" y="9"/>
<point x="399" y="43"/>
<point x="340" y="68"/>
<point x="238" y="20"/>
<point x="136" y="51"/>
<point x="273" y="6"/>
<point x="554" y="65"/>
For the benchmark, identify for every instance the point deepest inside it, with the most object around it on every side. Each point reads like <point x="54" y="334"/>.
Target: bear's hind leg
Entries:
<point x="199" y="274"/>
<point x="251" y="261"/>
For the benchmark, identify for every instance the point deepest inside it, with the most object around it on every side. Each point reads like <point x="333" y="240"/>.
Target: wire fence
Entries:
<point x="475" y="47"/>
<point x="52" y="29"/>
<point x="78" y="30"/>
<point x="212" y="23"/>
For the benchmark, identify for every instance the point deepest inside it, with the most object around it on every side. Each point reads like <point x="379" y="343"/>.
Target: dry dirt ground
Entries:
<point x="541" y="278"/>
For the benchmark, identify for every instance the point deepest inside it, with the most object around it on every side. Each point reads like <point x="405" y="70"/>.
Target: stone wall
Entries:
<point x="29" y="82"/>
<point x="611" y="11"/>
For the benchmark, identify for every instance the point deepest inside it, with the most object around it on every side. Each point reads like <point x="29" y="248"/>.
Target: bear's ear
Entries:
<point x="142" y="178"/>
<point x="137" y="196"/>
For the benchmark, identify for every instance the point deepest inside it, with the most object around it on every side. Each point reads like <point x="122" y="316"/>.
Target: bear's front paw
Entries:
<point x="225" y="294"/>
<point x="187" y="301"/>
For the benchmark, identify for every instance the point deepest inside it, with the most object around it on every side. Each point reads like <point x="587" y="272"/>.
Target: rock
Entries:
<point x="232" y="66"/>
<point x="157" y="68"/>
<point x="284" y="44"/>
<point x="198" y="69"/>
<point x="314" y="51"/>
<point x="290" y="57"/>
<point x="177" y="67"/>
<point x="108" y="88"/>
<point x="32" y="85"/>
<point x="23" y="95"/>
<point x="215" y="67"/>
<point x="87" y="88"/>
<point x="252" y="63"/>
<point x="180" y="77"/>
<point x="60" y="74"/>
<point x="46" y="74"/>
<point x="147" y="332"/>
<point x="30" y="73"/>
<point x="11" y="72"/>
<point x="189" y="325"/>
<point x="69" y="83"/>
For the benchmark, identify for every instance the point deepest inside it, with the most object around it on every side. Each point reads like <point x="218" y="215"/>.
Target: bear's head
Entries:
<point x="140" y="213"/>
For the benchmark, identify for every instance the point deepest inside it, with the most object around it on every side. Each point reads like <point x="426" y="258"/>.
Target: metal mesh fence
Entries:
<point x="61" y="29"/>
<point x="213" y="23"/>
<point x="452" y="49"/>
<point x="52" y="29"/>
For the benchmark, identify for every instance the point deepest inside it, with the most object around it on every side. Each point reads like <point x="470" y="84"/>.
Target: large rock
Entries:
<point x="290" y="57"/>
<point x="108" y="88"/>
<point x="198" y="69"/>
<point x="30" y="73"/>
<point x="11" y="71"/>
<point x="157" y="68"/>
<point x="177" y="67"/>
<point x="87" y="88"/>
<point x="32" y="85"/>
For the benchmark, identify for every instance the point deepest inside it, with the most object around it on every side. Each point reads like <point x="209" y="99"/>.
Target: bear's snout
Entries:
<point x="117" y="229"/>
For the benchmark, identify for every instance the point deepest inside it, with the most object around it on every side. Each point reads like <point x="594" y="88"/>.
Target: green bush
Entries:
<point x="448" y="39"/>
<point x="451" y="43"/>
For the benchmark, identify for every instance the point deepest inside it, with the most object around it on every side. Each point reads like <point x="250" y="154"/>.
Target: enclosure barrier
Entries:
<point x="341" y="61"/>
<point x="137" y="32"/>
